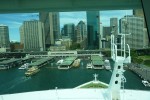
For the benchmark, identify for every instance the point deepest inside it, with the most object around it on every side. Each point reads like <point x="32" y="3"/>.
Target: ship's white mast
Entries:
<point x="117" y="75"/>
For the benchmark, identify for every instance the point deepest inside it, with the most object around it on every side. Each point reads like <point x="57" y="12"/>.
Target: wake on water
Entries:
<point x="4" y="88"/>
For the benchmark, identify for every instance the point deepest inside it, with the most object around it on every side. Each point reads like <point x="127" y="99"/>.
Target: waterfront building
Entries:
<point x="135" y="26"/>
<point x="21" y="34"/>
<point x="4" y="37"/>
<point x="69" y="30"/>
<point x="93" y="30"/>
<point x="51" y="26"/>
<point x="34" y="37"/>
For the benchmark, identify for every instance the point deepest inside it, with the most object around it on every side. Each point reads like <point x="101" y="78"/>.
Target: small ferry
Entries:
<point x="146" y="83"/>
<point x="32" y="71"/>
<point x="60" y="61"/>
<point x="107" y="64"/>
<point x="89" y="66"/>
<point x="76" y="63"/>
<point x="24" y="66"/>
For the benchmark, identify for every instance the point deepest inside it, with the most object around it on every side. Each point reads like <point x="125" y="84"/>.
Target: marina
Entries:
<point x="98" y="62"/>
<point x="142" y="72"/>
<point x="7" y="64"/>
<point x="66" y="64"/>
<point x="15" y="80"/>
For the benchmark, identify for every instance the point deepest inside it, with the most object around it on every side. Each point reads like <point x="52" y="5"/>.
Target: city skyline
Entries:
<point x="14" y="21"/>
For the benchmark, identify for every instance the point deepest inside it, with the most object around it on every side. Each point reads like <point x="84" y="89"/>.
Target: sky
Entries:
<point x="15" y="20"/>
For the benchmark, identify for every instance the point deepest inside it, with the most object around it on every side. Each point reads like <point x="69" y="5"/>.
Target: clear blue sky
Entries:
<point x="14" y="21"/>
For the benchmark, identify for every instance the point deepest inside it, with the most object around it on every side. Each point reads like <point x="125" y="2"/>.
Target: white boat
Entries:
<point x="24" y="66"/>
<point x="89" y="66"/>
<point x="60" y="61"/>
<point x="107" y="64"/>
<point x="146" y="83"/>
<point x="63" y="67"/>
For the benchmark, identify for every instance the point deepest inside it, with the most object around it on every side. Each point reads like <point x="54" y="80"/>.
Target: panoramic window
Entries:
<point x="80" y="49"/>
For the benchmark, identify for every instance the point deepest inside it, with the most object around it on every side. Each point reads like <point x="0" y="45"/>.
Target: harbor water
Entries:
<point x="50" y="77"/>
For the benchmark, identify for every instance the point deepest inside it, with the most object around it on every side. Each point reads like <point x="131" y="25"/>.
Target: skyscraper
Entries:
<point x="81" y="34"/>
<point x="114" y="25"/>
<point x="135" y="26"/>
<point x="21" y="30"/>
<point x="4" y="36"/>
<point x="69" y="30"/>
<point x="107" y="35"/>
<point x="93" y="30"/>
<point x="51" y="27"/>
<point x="34" y="37"/>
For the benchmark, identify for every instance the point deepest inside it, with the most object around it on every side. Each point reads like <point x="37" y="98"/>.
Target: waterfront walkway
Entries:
<point x="141" y="70"/>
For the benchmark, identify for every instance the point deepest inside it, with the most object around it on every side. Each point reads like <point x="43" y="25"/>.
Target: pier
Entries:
<point x="6" y="64"/>
<point x="67" y="63"/>
<point x="97" y="61"/>
<point x="2" y="59"/>
<point x="143" y="72"/>
<point x="26" y="59"/>
<point x="41" y="62"/>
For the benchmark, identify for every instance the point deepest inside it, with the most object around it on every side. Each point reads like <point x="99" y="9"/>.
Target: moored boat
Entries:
<point x="76" y="63"/>
<point x="89" y="66"/>
<point x="146" y="83"/>
<point x="24" y="66"/>
<point x="107" y="64"/>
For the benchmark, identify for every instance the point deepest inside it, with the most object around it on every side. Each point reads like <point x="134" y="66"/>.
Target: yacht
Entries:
<point x="60" y="61"/>
<point x="107" y="64"/>
<point x="146" y="83"/>
<point x="24" y="66"/>
<point x="32" y="71"/>
<point x="89" y="66"/>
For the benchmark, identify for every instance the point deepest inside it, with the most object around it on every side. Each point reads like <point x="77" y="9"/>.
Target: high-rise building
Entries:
<point x="107" y="36"/>
<point x="138" y="13"/>
<point x="135" y="26"/>
<point x="4" y="37"/>
<point x="21" y="30"/>
<point x="34" y="37"/>
<point x="81" y="34"/>
<point x="51" y="27"/>
<point x="69" y="30"/>
<point x="93" y="30"/>
<point x="114" y="25"/>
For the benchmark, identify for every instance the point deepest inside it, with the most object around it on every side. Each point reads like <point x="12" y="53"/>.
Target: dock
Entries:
<point x="142" y="72"/>
<point x="2" y="59"/>
<point x="67" y="63"/>
<point x="6" y="64"/>
<point x="97" y="61"/>
<point x="26" y="59"/>
<point x="41" y="62"/>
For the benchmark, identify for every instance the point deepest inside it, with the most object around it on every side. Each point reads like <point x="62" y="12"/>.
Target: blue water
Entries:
<point x="49" y="77"/>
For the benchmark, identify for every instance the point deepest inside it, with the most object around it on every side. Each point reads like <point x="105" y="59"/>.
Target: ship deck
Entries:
<point x="76" y="94"/>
